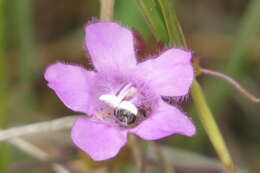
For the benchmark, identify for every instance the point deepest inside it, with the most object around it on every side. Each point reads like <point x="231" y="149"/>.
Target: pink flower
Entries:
<point x="122" y="96"/>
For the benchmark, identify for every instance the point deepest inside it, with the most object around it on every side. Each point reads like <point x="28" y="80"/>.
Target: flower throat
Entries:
<point x="125" y="113"/>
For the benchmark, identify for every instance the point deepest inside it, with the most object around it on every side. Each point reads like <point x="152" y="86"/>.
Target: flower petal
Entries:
<point x="99" y="140"/>
<point x="171" y="74"/>
<point x="167" y="120"/>
<point x="72" y="85"/>
<point x="110" y="45"/>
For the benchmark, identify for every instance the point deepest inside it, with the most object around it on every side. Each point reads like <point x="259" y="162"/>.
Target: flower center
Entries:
<point x="121" y="107"/>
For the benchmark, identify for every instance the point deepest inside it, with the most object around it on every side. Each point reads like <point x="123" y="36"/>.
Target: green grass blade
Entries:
<point x="176" y="36"/>
<point x="153" y="15"/>
<point x="129" y="15"/>
<point x="211" y="127"/>
<point x="5" y="150"/>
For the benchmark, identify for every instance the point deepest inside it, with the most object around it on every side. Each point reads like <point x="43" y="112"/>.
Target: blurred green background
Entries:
<point x="36" y="33"/>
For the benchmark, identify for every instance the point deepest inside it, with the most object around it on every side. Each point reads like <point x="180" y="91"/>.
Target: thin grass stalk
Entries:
<point x="248" y="29"/>
<point x="211" y="127"/>
<point x="232" y="82"/>
<point x="5" y="150"/>
<point x="106" y="10"/>
<point x="138" y="154"/>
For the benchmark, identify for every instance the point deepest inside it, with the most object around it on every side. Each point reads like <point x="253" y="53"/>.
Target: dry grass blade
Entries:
<point x="42" y="127"/>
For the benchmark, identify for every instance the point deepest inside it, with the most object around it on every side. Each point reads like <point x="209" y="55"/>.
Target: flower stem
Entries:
<point x="106" y="10"/>
<point x="232" y="82"/>
<point x="138" y="154"/>
<point x="211" y="127"/>
<point x="167" y="167"/>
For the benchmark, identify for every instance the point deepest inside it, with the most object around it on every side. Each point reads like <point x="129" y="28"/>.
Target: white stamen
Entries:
<point x="118" y="101"/>
<point x="124" y="92"/>
<point x="111" y="100"/>
<point x="128" y="106"/>
<point x="127" y="92"/>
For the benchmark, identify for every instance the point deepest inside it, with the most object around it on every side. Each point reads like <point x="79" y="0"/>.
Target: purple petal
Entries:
<point x="99" y="140"/>
<point x="171" y="74"/>
<point x="110" y="45"/>
<point x="72" y="85"/>
<point x="167" y="120"/>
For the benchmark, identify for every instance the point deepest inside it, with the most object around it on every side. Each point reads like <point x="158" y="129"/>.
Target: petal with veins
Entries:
<point x="99" y="140"/>
<point x="166" y="121"/>
<point x="72" y="85"/>
<point x="171" y="74"/>
<point x="110" y="45"/>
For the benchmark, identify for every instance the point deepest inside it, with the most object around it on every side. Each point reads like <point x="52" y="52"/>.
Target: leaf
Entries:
<point x="127" y="12"/>
<point x="176" y="37"/>
<point x="152" y="12"/>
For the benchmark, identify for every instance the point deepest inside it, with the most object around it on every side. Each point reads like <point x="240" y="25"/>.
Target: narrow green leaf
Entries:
<point x="211" y="127"/>
<point x="176" y="37"/>
<point x="152" y="13"/>
<point x="127" y="12"/>
<point x="5" y="150"/>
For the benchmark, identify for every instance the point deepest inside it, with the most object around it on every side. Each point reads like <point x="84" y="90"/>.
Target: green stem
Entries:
<point x="176" y="35"/>
<point x="211" y="127"/>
